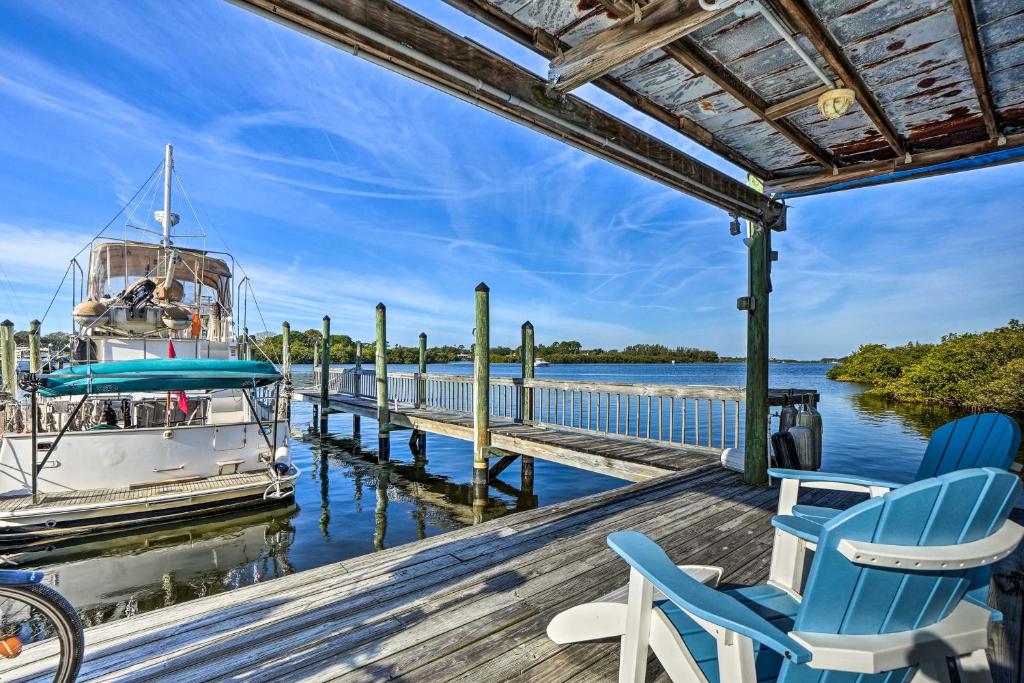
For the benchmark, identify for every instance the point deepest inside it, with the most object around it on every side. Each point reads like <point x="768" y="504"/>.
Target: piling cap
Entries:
<point x="35" y="323"/>
<point x="482" y="287"/>
<point x="286" y="325"/>
<point x="528" y="324"/>
<point x="7" y="323"/>
<point x="327" y="318"/>
<point x="423" y="335"/>
<point x="381" y="306"/>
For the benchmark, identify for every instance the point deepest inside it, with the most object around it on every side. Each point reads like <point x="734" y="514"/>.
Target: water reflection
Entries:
<point x="114" y="576"/>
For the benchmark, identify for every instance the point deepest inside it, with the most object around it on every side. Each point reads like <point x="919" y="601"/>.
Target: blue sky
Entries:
<point x="338" y="184"/>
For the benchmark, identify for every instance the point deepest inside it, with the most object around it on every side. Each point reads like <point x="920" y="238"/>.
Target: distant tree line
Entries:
<point x="977" y="370"/>
<point x="343" y="350"/>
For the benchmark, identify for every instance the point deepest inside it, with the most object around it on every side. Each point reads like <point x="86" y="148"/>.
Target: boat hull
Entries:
<point x="101" y="510"/>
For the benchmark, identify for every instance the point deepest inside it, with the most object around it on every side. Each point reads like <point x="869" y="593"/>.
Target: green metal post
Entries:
<point x="383" y="412"/>
<point x="325" y="373"/>
<point x="755" y="469"/>
<point x="35" y="366"/>
<point x="481" y="395"/>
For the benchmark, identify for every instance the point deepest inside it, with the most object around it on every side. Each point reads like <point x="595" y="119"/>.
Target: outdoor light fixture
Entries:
<point x="835" y="102"/>
<point x="734" y="226"/>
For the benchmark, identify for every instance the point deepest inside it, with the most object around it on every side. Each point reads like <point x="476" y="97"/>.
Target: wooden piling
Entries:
<point x="383" y="411"/>
<point x="35" y="366"/>
<point x="357" y="426"/>
<point x="325" y="372"/>
<point x="755" y="468"/>
<point x="286" y="368"/>
<point x="481" y="395"/>
<point x="421" y="380"/>
<point x="526" y="354"/>
<point x="8" y="357"/>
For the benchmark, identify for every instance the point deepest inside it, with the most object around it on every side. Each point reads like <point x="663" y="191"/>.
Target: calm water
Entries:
<point x="347" y="504"/>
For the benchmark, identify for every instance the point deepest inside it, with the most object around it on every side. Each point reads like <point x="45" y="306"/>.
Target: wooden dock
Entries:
<point x="468" y="605"/>
<point x="615" y="456"/>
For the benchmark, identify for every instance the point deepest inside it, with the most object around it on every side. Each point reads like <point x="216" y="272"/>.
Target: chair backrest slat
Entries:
<point x="847" y="598"/>
<point x="986" y="440"/>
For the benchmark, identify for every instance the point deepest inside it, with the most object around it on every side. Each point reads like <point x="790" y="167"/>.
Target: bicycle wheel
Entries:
<point x="32" y="612"/>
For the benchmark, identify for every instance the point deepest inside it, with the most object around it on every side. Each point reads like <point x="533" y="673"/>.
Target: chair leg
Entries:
<point x="788" y="561"/>
<point x="635" y="641"/>
<point x="973" y="668"/>
<point x="736" y="658"/>
<point x="932" y="671"/>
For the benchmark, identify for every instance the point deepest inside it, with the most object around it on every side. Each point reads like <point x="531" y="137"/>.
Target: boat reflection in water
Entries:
<point x="112" y="576"/>
<point x="116" y="576"/>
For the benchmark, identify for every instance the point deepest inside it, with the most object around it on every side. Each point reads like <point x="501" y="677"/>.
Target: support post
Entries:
<point x="383" y="412"/>
<point x="35" y="366"/>
<point x="286" y="367"/>
<point x="35" y="446"/>
<point x="8" y="363"/>
<point x="421" y="380"/>
<point x="526" y="353"/>
<point x="357" y="422"/>
<point x="325" y="373"/>
<point x="246" y="353"/>
<point x="481" y="395"/>
<point x="755" y="448"/>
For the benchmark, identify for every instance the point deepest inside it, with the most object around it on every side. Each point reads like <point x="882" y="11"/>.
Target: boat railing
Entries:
<point x="702" y="416"/>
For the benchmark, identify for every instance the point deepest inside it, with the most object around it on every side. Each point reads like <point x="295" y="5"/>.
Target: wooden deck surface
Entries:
<point x="468" y="605"/>
<point x="628" y="458"/>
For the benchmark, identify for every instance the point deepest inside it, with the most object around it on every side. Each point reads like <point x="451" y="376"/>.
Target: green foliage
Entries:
<point x="876" y="363"/>
<point x="977" y="370"/>
<point x="343" y="351"/>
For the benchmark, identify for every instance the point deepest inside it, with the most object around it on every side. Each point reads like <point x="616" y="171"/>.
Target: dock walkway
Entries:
<point x="625" y="458"/>
<point x="470" y="605"/>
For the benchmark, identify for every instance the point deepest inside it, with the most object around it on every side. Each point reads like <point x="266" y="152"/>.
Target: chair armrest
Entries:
<point x="831" y="477"/>
<point x="978" y="553"/>
<point x="698" y="600"/>
<point x="797" y="526"/>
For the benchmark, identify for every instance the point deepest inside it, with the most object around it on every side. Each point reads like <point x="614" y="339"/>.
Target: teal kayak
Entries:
<point x="158" y="374"/>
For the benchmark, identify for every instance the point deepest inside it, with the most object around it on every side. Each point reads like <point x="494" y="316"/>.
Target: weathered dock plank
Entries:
<point x="469" y="605"/>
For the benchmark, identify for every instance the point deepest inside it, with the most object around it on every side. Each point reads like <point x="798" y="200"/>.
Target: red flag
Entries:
<point x="182" y="402"/>
<point x="170" y="349"/>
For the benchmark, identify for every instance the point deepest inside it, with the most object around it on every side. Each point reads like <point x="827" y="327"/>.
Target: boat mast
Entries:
<point x="166" y="220"/>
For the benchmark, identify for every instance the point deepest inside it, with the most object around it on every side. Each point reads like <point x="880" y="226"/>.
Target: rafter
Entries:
<point x="880" y="170"/>
<point x="660" y="23"/>
<point x="798" y="14"/>
<point x="396" y="38"/>
<point x="968" y="27"/>
<point x="548" y="45"/>
<point x="698" y="61"/>
<point x="795" y="104"/>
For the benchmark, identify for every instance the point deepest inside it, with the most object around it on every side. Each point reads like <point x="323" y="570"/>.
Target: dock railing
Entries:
<point x="690" y="416"/>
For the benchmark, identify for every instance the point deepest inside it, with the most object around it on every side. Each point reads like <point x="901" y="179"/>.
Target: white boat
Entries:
<point x="540" y="363"/>
<point x="124" y="434"/>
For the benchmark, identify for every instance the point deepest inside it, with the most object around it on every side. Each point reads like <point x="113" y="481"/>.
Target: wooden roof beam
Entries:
<point x="548" y="45"/>
<point x="798" y="14"/>
<point x="794" y="104"/>
<point x="880" y="169"/>
<point x="660" y="23"/>
<point x="390" y="35"/>
<point x="696" y="60"/>
<point x="968" y="27"/>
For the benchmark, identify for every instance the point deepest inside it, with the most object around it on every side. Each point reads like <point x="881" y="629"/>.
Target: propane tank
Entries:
<point x="810" y="417"/>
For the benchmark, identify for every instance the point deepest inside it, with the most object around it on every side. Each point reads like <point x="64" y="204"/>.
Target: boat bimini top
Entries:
<point x="158" y="374"/>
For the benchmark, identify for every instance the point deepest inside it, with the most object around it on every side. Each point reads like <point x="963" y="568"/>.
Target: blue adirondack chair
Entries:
<point x="891" y="594"/>
<point x="985" y="440"/>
